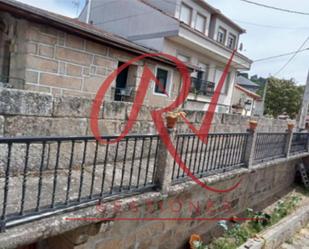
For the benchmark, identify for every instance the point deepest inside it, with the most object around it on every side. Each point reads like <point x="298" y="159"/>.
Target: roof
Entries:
<point x="243" y="81"/>
<point x="77" y="27"/>
<point x="249" y="93"/>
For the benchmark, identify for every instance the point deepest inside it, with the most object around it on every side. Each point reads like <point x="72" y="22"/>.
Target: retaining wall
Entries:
<point x="27" y="113"/>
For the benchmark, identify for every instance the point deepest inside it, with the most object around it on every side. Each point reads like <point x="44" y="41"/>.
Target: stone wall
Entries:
<point x="259" y="186"/>
<point x="49" y="60"/>
<point x="28" y="113"/>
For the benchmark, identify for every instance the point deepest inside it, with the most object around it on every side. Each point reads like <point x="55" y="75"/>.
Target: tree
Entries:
<point x="283" y="96"/>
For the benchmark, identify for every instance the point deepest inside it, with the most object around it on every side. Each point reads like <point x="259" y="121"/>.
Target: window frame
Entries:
<point x="191" y="13"/>
<point x="168" y="81"/>
<point x="230" y="35"/>
<point x="205" y="22"/>
<point x="224" y="34"/>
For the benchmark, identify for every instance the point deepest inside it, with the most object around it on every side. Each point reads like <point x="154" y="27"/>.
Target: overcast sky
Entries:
<point x="269" y="32"/>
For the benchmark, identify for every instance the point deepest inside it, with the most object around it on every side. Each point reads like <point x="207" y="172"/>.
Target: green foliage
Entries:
<point x="283" y="208"/>
<point x="239" y="234"/>
<point x="259" y="220"/>
<point x="283" y="96"/>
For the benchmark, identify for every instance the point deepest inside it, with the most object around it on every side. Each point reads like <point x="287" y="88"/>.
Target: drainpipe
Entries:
<point x="88" y="11"/>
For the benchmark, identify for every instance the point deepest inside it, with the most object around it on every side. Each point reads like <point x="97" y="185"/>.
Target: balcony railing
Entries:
<point x="202" y="87"/>
<point x="126" y="94"/>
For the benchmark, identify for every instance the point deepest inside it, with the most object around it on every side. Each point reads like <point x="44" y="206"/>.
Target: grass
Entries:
<point x="238" y="234"/>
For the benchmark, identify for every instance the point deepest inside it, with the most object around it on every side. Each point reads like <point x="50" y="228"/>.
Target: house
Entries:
<point x="192" y="30"/>
<point x="245" y="102"/>
<point x="46" y="52"/>
<point x="247" y="84"/>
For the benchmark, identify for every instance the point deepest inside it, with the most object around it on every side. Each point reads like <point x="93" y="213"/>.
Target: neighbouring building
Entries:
<point x="192" y="30"/>
<point x="247" y="84"/>
<point x="42" y="51"/>
<point x="245" y="102"/>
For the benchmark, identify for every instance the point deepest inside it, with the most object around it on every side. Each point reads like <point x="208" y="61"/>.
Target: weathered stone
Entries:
<point x="106" y="62"/>
<point x="74" y="70"/>
<point x="46" y="51"/>
<point x="78" y="57"/>
<point x="143" y="114"/>
<point x="114" y="110"/>
<point x="60" y="81"/>
<point x="42" y="64"/>
<point x="96" y="48"/>
<point x="32" y="77"/>
<point x="74" y="41"/>
<point x="72" y="107"/>
<point x="39" y="126"/>
<point x="18" y="102"/>
<point x="93" y="83"/>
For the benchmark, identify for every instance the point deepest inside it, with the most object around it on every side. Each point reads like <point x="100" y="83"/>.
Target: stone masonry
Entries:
<point x="47" y="59"/>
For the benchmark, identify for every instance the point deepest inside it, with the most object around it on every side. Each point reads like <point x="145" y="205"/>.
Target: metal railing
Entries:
<point x="221" y="152"/>
<point x="299" y="143"/>
<point x="45" y="174"/>
<point x="202" y="87"/>
<point x="270" y="146"/>
<point x="42" y="176"/>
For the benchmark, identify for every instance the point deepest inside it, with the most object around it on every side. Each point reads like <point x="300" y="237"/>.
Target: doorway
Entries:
<point x="121" y="82"/>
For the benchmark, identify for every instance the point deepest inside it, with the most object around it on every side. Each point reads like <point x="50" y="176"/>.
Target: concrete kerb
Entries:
<point x="277" y="234"/>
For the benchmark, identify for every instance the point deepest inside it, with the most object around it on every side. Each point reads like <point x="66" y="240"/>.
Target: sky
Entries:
<point x="268" y="32"/>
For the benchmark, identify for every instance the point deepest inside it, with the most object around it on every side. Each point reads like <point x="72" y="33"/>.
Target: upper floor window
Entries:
<point x="221" y="35"/>
<point x="163" y="76"/>
<point x="200" y="23"/>
<point x="231" y="41"/>
<point x="185" y="14"/>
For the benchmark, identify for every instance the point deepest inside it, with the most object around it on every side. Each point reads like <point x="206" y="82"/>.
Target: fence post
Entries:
<point x="289" y="140"/>
<point x="251" y="143"/>
<point x="164" y="165"/>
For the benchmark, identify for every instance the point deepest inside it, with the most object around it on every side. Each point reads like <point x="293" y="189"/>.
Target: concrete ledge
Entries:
<point x="277" y="234"/>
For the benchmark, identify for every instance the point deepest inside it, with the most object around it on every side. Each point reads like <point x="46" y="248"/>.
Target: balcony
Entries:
<point x="202" y="87"/>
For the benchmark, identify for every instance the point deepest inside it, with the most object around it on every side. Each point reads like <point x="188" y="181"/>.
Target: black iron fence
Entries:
<point x="221" y="152"/>
<point x="270" y="146"/>
<point x="299" y="143"/>
<point x="42" y="176"/>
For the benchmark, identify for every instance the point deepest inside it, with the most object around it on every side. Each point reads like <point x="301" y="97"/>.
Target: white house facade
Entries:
<point x="192" y="30"/>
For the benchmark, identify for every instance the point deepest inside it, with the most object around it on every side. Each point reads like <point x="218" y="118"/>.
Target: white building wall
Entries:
<point x="229" y="29"/>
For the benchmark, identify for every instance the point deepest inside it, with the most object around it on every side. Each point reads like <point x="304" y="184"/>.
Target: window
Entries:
<point x="221" y="35"/>
<point x="231" y="41"/>
<point x="162" y="76"/>
<point x="200" y="23"/>
<point x="185" y="14"/>
<point x="5" y="54"/>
